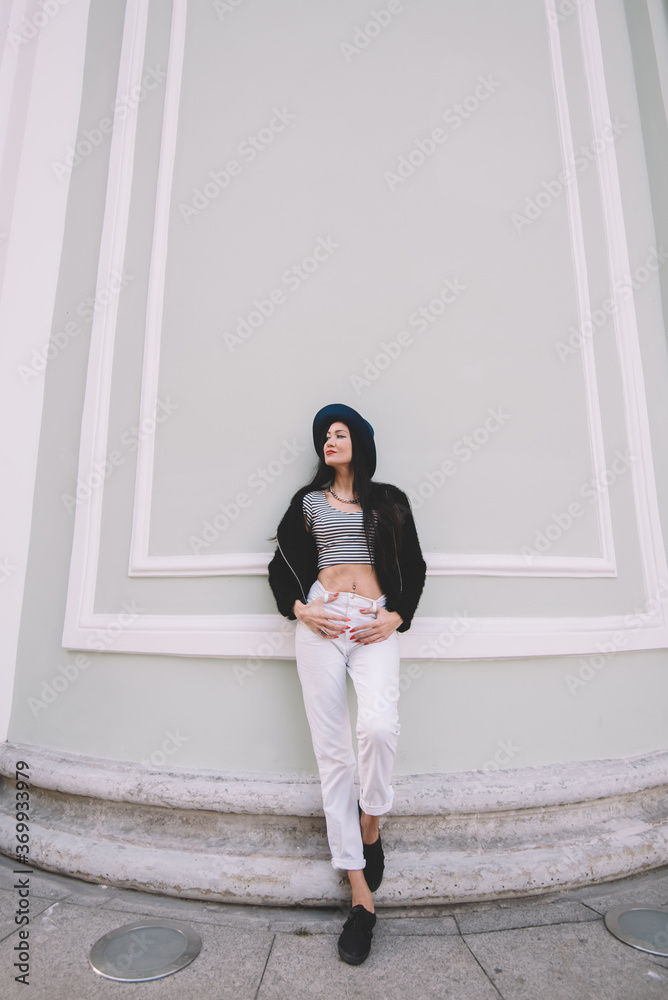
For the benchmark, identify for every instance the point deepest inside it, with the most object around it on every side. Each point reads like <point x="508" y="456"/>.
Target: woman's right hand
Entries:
<point x="315" y="616"/>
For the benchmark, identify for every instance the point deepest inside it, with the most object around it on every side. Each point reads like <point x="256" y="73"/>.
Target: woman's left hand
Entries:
<point x="385" y="624"/>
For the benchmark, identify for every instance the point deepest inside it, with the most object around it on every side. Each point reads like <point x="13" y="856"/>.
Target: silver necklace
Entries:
<point x="342" y="499"/>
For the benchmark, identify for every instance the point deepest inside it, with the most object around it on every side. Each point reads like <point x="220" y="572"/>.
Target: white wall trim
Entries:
<point x="141" y="512"/>
<point x="626" y="326"/>
<point x="243" y="635"/>
<point x="456" y="637"/>
<point x="594" y="423"/>
<point x="95" y="415"/>
<point x="438" y="564"/>
<point x="40" y="98"/>
<point x="484" y="564"/>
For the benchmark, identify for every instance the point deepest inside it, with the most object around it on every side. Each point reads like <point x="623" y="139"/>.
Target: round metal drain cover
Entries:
<point x="643" y="927"/>
<point x="149" y="949"/>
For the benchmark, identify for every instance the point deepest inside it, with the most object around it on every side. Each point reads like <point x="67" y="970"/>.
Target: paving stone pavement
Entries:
<point x="551" y="947"/>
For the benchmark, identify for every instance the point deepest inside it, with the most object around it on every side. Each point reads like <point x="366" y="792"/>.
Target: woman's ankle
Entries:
<point x="361" y="892"/>
<point x="370" y="828"/>
<point x="366" y="901"/>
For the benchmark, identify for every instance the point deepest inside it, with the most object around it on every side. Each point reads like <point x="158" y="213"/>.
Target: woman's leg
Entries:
<point x="361" y="892"/>
<point x="321" y="665"/>
<point x="375" y="673"/>
<point x="374" y="670"/>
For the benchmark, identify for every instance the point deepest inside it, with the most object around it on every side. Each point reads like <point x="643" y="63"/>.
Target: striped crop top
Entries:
<point x="339" y="534"/>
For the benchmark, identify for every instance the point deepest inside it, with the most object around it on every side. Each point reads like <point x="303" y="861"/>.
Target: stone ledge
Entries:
<point x="299" y="794"/>
<point x="261" y="839"/>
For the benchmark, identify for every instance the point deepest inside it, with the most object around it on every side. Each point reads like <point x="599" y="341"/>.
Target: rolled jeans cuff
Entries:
<point x="346" y="866"/>
<point x="377" y="810"/>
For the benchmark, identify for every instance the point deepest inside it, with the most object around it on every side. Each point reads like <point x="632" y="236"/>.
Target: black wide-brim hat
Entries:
<point x="339" y="411"/>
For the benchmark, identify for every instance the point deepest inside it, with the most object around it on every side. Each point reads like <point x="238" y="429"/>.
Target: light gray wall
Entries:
<point x="493" y="347"/>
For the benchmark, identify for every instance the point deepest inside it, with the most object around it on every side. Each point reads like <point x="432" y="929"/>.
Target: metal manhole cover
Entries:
<point x="149" y="949"/>
<point x="643" y="927"/>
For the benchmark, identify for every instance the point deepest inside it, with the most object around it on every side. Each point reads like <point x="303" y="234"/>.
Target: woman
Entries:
<point x="349" y="568"/>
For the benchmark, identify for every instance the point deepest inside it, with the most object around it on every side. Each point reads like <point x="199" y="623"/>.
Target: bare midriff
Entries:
<point x="354" y="578"/>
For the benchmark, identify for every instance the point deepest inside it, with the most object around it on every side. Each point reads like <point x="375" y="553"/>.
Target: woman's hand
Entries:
<point x="315" y="616"/>
<point x="385" y="624"/>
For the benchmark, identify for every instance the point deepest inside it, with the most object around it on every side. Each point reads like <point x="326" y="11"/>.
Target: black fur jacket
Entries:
<point x="294" y="566"/>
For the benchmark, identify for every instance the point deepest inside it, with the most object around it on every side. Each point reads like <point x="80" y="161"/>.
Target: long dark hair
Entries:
<point x="382" y="518"/>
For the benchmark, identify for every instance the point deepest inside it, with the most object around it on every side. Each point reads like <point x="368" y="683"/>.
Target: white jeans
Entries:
<point x="374" y="669"/>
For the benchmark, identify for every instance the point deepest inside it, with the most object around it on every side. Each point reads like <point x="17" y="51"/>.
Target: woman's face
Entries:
<point x="338" y="446"/>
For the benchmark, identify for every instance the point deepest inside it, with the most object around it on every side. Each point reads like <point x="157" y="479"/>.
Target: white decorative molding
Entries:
<point x="95" y="415"/>
<point x="272" y="637"/>
<point x="40" y="99"/>
<point x="438" y="564"/>
<point x="250" y="635"/>
<point x="141" y="513"/>
<point x="626" y="327"/>
<point x="594" y="425"/>
<point x="483" y="564"/>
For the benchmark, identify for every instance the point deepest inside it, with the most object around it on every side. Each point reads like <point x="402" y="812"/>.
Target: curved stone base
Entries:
<point x="261" y="838"/>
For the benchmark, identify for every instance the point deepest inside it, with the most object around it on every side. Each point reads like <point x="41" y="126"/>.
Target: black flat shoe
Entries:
<point x="375" y="861"/>
<point x="355" y="938"/>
